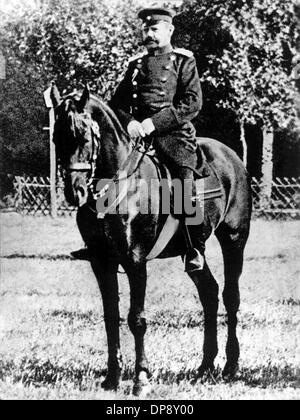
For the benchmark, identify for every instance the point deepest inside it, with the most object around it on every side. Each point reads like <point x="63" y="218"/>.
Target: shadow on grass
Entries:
<point x="262" y="377"/>
<point x="46" y="257"/>
<point x="88" y="316"/>
<point x="266" y="376"/>
<point x="37" y="373"/>
<point x="289" y="302"/>
<point x="247" y="320"/>
<point x="266" y="257"/>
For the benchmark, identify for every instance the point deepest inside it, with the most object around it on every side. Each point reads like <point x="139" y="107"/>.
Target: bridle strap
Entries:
<point x="91" y="165"/>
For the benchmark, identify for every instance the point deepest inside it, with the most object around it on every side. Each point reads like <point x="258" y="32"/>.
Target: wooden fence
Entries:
<point x="284" y="202"/>
<point x="32" y="196"/>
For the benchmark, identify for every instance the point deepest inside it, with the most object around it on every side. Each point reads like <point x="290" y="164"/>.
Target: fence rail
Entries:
<point x="284" y="201"/>
<point x="32" y="196"/>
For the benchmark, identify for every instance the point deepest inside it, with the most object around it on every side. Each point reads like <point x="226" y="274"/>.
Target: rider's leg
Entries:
<point x="194" y="258"/>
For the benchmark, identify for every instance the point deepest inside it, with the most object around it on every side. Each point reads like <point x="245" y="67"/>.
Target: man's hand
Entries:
<point x="135" y="129"/>
<point x="148" y="126"/>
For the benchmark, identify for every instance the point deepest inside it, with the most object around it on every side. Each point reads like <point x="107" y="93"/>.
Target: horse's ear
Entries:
<point x="55" y="95"/>
<point x="85" y="97"/>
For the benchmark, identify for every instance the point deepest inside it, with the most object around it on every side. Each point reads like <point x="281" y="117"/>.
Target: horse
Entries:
<point x="92" y="145"/>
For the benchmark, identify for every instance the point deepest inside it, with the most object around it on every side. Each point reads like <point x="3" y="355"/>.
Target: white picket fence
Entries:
<point x="32" y="196"/>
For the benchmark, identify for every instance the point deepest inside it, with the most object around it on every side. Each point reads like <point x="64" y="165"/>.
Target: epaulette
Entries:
<point x="137" y="56"/>
<point x="183" y="51"/>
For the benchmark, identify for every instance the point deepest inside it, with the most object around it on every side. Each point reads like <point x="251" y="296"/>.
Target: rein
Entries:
<point x="92" y="164"/>
<point x="119" y="177"/>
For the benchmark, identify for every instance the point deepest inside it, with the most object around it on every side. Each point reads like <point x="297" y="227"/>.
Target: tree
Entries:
<point x="244" y="53"/>
<point x="72" y="42"/>
<point x="245" y="50"/>
<point x="80" y="41"/>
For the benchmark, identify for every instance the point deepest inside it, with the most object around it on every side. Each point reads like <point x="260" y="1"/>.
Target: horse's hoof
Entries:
<point x="142" y="387"/>
<point x="110" y="384"/>
<point x="206" y="370"/>
<point x="230" y="370"/>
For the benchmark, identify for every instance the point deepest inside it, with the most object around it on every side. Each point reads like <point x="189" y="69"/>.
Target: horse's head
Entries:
<point x="77" y="139"/>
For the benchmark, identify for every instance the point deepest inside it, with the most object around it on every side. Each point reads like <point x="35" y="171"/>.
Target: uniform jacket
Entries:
<point x="166" y="88"/>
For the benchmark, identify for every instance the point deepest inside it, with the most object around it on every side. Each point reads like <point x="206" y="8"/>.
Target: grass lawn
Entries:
<point x="52" y="337"/>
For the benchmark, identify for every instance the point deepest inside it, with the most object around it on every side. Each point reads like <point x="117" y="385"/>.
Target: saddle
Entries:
<point x="205" y="177"/>
<point x="206" y="187"/>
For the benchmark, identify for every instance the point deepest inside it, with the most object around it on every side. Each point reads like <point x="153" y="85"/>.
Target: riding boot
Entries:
<point x="193" y="259"/>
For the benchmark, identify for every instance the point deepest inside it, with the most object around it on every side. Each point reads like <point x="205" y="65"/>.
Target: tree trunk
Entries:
<point x="244" y="143"/>
<point x="267" y="166"/>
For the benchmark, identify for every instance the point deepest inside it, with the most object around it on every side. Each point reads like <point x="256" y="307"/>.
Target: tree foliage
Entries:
<point x="245" y="52"/>
<point x="78" y="41"/>
<point x="72" y="42"/>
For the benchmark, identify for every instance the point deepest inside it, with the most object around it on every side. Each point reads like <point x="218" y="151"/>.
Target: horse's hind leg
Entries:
<point x="232" y="244"/>
<point x="137" y="275"/>
<point x="208" y="292"/>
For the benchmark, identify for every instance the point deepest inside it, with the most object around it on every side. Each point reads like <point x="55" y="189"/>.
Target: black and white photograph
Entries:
<point x="149" y="202"/>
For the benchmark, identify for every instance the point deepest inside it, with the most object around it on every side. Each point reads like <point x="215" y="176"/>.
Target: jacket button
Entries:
<point x="164" y="79"/>
<point x="173" y="57"/>
<point x="134" y="96"/>
<point x="134" y="83"/>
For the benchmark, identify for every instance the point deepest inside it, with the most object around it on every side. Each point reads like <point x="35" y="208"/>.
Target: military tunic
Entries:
<point x="166" y="88"/>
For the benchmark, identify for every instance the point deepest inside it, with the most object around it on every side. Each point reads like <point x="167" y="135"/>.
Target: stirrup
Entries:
<point x="193" y="261"/>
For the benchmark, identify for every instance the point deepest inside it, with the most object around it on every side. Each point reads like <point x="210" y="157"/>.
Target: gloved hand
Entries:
<point x="135" y="129"/>
<point x="148" y="126"/>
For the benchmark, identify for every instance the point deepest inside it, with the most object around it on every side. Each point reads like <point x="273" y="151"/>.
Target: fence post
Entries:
<point x="53" y="196"/>
<point x="267" y="166"/>
<point x="19" y="192"/>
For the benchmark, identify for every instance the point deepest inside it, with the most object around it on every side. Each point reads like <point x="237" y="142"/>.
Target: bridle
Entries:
<point x="91" y="165"/>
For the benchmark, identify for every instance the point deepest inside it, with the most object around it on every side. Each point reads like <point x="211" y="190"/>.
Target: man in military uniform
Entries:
<point x="159" y="97"/>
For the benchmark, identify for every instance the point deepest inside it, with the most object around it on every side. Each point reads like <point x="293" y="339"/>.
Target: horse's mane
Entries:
<point x="106" y="112"/>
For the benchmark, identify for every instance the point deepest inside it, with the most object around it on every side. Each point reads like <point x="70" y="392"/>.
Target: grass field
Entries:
<point x="52" y="338"/>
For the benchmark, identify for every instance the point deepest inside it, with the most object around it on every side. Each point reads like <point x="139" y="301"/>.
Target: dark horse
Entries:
<point x="91" y="145"/>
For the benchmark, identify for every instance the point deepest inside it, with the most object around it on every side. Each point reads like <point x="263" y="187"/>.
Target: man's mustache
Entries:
<point x="147" y="40"/>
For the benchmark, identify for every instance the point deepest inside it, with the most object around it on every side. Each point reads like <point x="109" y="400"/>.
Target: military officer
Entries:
<point x="159" y="96"/>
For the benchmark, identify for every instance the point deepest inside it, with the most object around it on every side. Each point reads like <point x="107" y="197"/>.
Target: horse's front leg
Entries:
<point x="106" y="273"/>
<point x="208" y="293"/>
<point x="137" y="274"/>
